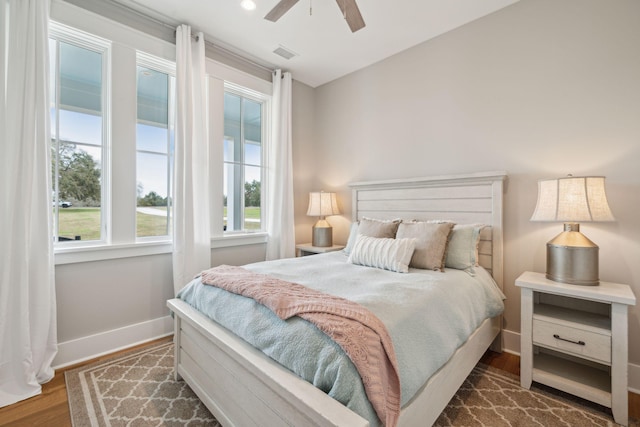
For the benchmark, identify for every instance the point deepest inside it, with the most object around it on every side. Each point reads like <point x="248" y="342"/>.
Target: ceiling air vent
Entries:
<point x="284" y="52"/>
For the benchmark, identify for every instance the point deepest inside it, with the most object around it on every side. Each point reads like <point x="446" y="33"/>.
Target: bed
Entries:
<point x="242" y="386"/>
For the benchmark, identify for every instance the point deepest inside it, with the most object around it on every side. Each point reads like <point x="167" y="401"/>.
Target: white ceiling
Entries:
<point x="325" y="47"/>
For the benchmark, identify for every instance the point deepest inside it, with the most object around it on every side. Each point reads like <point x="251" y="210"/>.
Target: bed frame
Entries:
<point x="243" y="387"/>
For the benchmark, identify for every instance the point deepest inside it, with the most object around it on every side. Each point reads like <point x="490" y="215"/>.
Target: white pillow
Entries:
<point x="353" y="235"/>
<point x="384" y="253"/>
<point x="462" y="252"/>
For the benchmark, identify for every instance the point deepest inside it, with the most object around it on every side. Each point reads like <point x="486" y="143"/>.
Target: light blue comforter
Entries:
<point x="428" y="314"/>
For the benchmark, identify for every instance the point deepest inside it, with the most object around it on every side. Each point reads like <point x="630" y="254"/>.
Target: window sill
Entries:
<point x="105" y="252"/>
<point x="77" y="254"/>
<point x="239" y="239"/>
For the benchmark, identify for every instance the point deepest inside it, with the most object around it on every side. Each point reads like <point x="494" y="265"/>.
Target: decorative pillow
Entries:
<point x="353" y="235"/>
<point x="462" y="252"/>
<point x="431" y="242"/>
<point x="388" y="254"/>
<point x="379" y="228"/>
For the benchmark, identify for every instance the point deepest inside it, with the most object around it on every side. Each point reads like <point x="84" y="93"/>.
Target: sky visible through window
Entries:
<point x="80" y="128"/>
<point x="85" y="129"/>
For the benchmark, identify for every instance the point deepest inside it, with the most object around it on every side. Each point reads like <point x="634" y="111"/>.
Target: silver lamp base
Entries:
<point x="322" y="234"/>
<point x="572" y="258"/>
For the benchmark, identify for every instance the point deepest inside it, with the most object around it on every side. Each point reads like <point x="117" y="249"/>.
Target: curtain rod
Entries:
<point x="154" y="24"/>
<point x="193" y="36"/>
<point x="163" y="23"/>
<point x="229" y="52"/>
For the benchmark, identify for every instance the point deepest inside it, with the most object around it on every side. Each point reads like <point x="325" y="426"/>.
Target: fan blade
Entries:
<point x="352" y="14"/>
<point x="280" y="9"/>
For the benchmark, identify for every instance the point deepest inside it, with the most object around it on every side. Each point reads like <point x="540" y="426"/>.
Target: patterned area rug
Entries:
<point x="491" y="397"/>
<point x="137" y="389"/>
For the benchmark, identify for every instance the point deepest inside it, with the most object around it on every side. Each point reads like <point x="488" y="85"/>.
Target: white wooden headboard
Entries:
<point x="463" y="199"/>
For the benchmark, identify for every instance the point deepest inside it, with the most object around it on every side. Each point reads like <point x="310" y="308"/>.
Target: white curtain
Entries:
<point x="280" y="223"/>
<point x="27" y="293"/>
<point x="191" y="236"/>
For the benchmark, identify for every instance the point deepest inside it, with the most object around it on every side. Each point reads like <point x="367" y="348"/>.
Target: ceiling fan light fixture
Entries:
<point x="348" y="8"/>
<point x="248" y="4"/>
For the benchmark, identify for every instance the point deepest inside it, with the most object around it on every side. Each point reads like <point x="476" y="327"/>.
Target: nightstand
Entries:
<point x="305" y="249"/>
<point x="575" y="339"/>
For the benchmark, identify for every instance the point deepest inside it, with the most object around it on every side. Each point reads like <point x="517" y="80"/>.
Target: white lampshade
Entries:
<point x="571" y="257"/>
<point x="322" y="204"/>
<point x="572" y="199"/>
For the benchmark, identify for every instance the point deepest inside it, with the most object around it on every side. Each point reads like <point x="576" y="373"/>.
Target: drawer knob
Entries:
<point x="558" y="337"/>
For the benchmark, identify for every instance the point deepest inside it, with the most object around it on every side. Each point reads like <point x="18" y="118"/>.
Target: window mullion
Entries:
<point x="238" y="220"/>
<point x="170" y="124"/>
<point x="57" y="143"/>
<point x="106" y="202"/>
<point x="242" y="164"/>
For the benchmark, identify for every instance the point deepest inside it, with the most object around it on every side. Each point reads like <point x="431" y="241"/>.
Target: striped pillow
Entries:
<point x="384" y="253"/>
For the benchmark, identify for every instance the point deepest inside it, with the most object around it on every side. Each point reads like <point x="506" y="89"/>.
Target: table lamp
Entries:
<point x="571" y="257"/>
<point x="322" y="204"/>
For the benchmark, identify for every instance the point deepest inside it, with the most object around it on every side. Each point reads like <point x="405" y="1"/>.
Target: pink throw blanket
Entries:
<point x="362" y="336"/>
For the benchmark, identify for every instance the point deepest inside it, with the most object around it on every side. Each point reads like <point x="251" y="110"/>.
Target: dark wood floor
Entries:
<point x="51" y="408"/>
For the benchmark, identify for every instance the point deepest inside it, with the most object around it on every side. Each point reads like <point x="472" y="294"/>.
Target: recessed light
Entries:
<point x="248" y="4"/>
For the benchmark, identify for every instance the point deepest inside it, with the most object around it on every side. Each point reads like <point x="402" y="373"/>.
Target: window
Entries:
<point x="243" y="161"/>
<point x="78" y="143"/>
<point x="154" y="147"/>
<point x="112" y="140"/>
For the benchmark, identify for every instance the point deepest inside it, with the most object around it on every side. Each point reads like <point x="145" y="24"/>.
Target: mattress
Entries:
<point x="428" y="315"/>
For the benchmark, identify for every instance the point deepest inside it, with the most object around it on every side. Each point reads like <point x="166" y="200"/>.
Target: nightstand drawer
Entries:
<point x="576" y="341"/>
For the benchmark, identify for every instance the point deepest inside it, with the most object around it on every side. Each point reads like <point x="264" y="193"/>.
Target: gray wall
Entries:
<point x="540" y="89"/>
<point x="100" y="296"/>
<point x="305" y="167"/>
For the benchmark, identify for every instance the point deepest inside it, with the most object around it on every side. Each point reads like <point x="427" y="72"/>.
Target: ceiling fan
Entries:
<point x="349" y="10"/>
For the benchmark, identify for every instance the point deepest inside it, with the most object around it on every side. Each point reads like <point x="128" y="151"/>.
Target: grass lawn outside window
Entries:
<point x="85" y="222"/>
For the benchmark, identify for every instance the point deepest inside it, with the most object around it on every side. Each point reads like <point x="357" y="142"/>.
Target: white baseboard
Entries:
<point x="511" y="341"/>
<point x="87" y="348"/>
<point x="511" y="344"/>
<point x="634" y="378"/>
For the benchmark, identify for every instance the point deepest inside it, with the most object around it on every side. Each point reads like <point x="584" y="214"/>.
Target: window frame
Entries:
<point x="125" y="42"/>
<point x="76" y="37"/>
<point x="120" y="239"/>
<point x="265" y="106"/>
<point x="220" y="76"/>
<point x="168" y="67"/>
